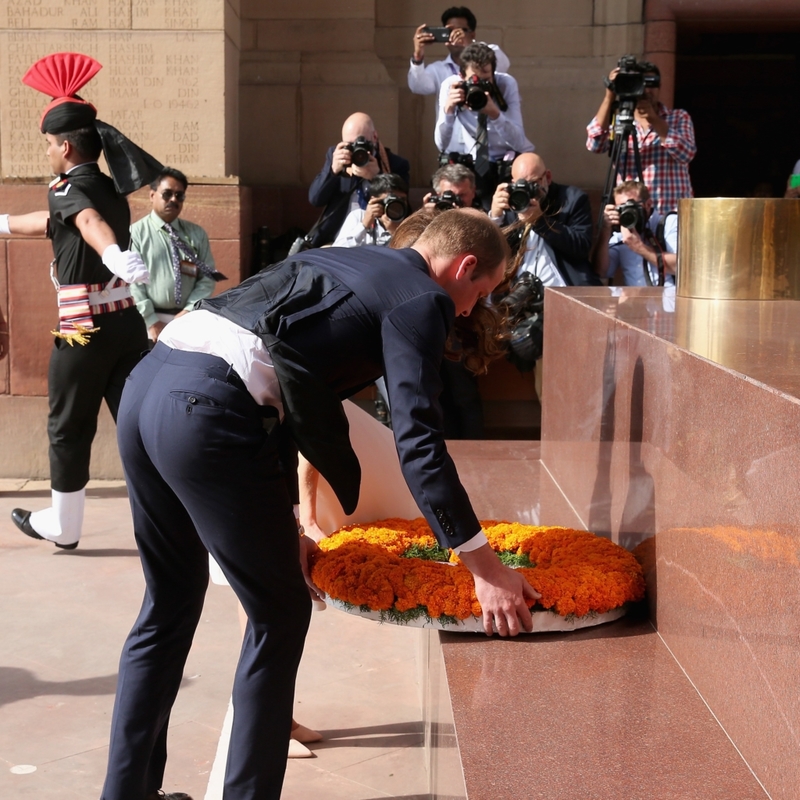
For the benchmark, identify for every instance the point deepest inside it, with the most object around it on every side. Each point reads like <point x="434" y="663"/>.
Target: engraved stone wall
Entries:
<point x="163" y="81"/>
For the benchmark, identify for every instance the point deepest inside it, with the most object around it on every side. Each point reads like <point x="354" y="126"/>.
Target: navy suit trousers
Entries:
<point x="203" y="476"/>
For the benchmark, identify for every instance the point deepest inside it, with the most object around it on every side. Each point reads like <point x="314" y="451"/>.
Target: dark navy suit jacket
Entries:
<point x="336" y="319"/>
<point x="566" y="226"/>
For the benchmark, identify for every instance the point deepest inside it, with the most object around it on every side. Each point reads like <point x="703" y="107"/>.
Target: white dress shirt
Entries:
<point x="540" y="260"/>
<point x="424" y="79"/>
<point x="354" y="234"/>
<point x="456" y="132"/>
<point x="210" y="333"/>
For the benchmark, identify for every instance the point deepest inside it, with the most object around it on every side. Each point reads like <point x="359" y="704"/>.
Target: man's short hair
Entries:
<point x="458" y="231"/>
<point x="169" y="172"/>
<point x="633" y="186"/>
<point x="453" y="173"/>
<point x="479" y="55"/>
<point x="85" y="141"/>
<point x="460" y="11"/>
<point x="386" y="182"/>
<point x="411" y="228"/>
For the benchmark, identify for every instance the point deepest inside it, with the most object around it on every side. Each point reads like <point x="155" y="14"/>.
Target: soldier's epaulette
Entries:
<point x="60" y="186"/>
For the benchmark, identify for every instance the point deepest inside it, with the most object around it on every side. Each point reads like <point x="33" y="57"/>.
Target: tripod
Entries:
<point x="624" y="130"/>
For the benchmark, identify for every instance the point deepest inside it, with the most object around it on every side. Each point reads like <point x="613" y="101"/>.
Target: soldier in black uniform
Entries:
<point x="100" y="335"/>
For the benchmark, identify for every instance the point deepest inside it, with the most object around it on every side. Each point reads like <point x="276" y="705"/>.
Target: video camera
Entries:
<point x="632" y="79"/>
<point x="522" y="193"/>
<point x="361" y="150"/>
<point x="632" y="216"/>
<point x="396" y="208"/>
<point x="446" y="200"/>
<point x="475" y="90"/>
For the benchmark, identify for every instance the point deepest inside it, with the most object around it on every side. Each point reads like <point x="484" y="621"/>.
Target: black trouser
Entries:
<point x="203" y="475"/>
<point x="80" y="377"/>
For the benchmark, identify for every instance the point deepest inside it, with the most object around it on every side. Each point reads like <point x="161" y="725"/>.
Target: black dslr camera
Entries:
<point x="465" y="159"/>
<point x="475" y="90"/>
<point x="446" y="200"/>
<point x="632" y="80"/>
<point x="396" y="208"/>
<point x="521" y="193"/>
<point x="361" y="150"/>
<point x="632" y="216"/>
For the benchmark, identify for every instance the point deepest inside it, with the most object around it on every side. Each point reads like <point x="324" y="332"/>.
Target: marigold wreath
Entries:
<point x="396" y="568"/>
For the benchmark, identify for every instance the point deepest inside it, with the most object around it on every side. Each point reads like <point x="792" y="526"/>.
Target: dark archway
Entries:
<point x="742" y="89"/>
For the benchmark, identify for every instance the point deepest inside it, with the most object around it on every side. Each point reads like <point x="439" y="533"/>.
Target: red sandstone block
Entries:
<point x="32" y="314"/>
<point x="3" y="320"/>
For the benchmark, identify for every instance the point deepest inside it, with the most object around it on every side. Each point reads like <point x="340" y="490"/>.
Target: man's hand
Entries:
<point x="531" y="213"/>
<point x="154" y="330"/>
<point x="499" y="201"/>
<point x="342" y="159"/>
<point x="634" y="242"/>
<point x="455" y="97"/>
<point x="421" y="38"/>
<point x="458" y="37"/>
<point x="369" y="171"/>
<point x="307" y="549"/>
<point x="610" y="217"/>
<point x="491" y="109"/>
<point x="501" y="591"/>
<point x="126" y="264"/>
<point x="791" y="191"/>
<point x="373" y="211"/>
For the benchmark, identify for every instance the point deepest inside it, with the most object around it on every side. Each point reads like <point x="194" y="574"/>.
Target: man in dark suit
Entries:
<point x="201" y="429"/>
<point x="341" y="184"/>
<point x="555" y="223"/>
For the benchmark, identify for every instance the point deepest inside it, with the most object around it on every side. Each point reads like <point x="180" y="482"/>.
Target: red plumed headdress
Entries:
<point x="61" y="75"/>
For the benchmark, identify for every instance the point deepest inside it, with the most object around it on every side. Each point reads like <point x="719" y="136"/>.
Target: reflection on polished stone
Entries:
<point x="679" y="431"/>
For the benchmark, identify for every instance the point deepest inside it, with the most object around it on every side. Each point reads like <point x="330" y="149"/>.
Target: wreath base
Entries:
<point x="543" y="621"/>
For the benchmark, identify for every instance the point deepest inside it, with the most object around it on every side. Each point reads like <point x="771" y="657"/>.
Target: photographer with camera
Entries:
<point x="341" y="185"/>
<point x="636" y="239"/>
<point x="453" y="187"/>
<point x="553" y="223"/>
<point x="460" y="25"/>
<point x="663" y="137"/>
<point x="386" y="209"/>
<point x="480" y="114"/>
<point x="549" y="227"/>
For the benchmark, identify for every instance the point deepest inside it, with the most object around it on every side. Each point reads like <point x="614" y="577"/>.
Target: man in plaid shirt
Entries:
<point x="665" y="138"/>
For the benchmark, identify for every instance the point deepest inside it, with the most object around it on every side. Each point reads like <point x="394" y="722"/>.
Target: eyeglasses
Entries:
<point x="167" y="195"/>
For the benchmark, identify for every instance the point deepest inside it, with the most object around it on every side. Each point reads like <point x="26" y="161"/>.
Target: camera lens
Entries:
<point x="360" y="156"/>
<point x="395" y="208"/>
<point x="519" y="199"/>
<point x="476" y="98"/>
<point x="631" y="216"/>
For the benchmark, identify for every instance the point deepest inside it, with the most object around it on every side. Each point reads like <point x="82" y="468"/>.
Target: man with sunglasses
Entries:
<point x="176" y="252"/>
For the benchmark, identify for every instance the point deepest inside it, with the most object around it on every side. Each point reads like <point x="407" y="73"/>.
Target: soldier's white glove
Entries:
<point x="126" y="264"/>
<point x="4" y="224"/>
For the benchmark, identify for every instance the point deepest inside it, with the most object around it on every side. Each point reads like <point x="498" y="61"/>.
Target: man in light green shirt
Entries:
<point x="164" y="298"/>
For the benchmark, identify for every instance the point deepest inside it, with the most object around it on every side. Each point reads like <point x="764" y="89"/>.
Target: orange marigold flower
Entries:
<point x="576" y="572"/>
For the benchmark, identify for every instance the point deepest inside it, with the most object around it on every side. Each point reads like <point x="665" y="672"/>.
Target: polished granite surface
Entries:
<point x="602" y="714"/>
<point x="679" y="432"/>
<point x="760" y="339"/>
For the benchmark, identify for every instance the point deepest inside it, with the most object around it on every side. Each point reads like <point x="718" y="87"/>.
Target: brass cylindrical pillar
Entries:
<point x="739" y="248"/>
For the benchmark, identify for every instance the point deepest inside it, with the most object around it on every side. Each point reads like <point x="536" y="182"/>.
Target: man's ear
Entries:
<point x="466" y="266"/>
